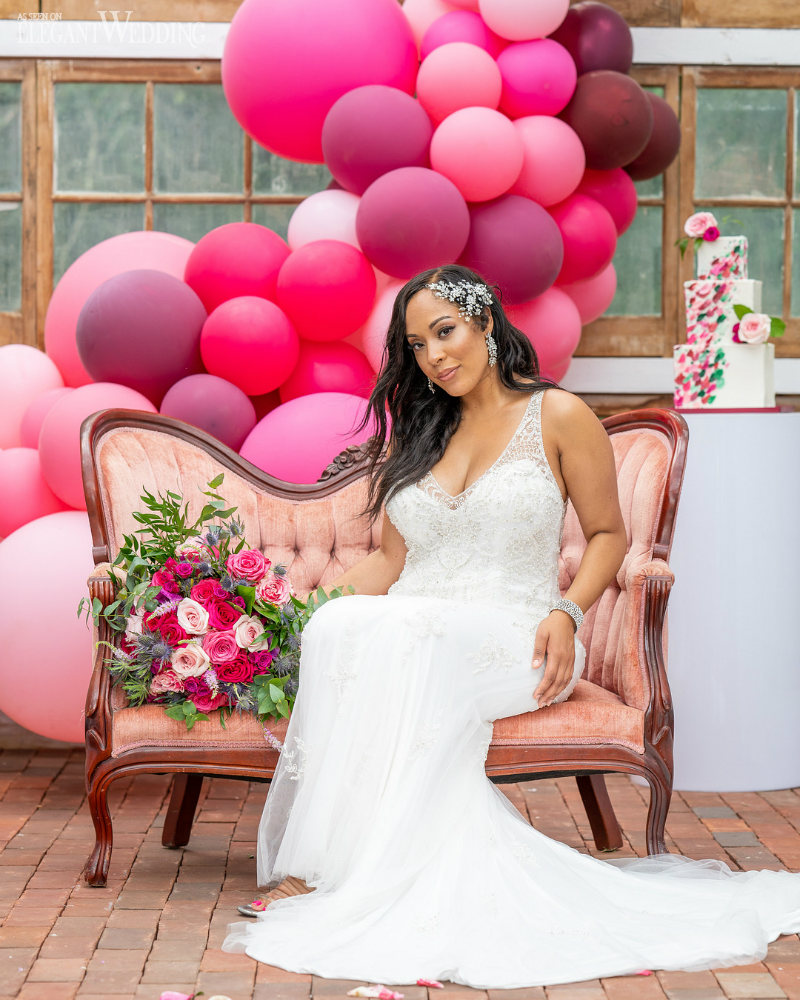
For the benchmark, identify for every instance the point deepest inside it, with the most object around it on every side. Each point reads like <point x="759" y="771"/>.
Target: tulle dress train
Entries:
<point x="420" y="866"/>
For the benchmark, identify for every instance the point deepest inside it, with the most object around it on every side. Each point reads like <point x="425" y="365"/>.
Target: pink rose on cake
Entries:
<point x="697" y="225"/>
<point x="754" y="328"/>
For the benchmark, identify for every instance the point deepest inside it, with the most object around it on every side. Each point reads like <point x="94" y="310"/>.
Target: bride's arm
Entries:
<point x="379" y="570"/>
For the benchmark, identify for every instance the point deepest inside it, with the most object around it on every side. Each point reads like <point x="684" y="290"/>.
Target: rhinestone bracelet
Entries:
<point x="571" y="609"/>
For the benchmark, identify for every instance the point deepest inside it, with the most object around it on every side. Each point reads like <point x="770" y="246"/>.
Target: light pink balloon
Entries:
<point x="519" y="20"/>
<point x="458" y="75"/>
<point x="24" y="495"/>
<point x="539" y="78"/>
<point x="34" y="416"/>
<point x="25" y="374"/>
<point x="593" y="295"/>
<point x="59" y="440"/>
<point x="298" y="440"/>
<point x="326" y="215"/>
<point x="50" y="700"/>
<point x="479" y="150"/>
<point x="465" y="4"/>
<point x="421" y="14"/>
<point x="126" y="252"/>
<point x="553" y="162"/>
<point x="373" y="332"/>
<point x="552" y="323"/>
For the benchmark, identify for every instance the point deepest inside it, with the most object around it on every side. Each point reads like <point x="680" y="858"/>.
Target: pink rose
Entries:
<point x="223" y="614"/>
<point x="238" y="671"/>
<point x="262" y="660"/>
<point x="166" y="680"/>
<point x="165" y="580"/>
<point x="754" y="328"/>
<point x="711" y="234"/>
<point x="696" y="225"/>
<point x="273" y="589"/>
<point x="190" y="660"/>
<point x="221" y="647"/>
<point x="192" y="616"/>
<point x="249" y="564"/>
<point x="247" y="630"/>
<point x="184" y="570"/>
<point x="204" y="591"/>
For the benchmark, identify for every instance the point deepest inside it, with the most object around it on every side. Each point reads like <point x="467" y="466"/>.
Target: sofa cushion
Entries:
<point x="148" y="726"/>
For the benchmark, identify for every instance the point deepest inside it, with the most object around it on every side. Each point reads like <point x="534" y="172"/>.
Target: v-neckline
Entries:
<point x="511" y="440"/>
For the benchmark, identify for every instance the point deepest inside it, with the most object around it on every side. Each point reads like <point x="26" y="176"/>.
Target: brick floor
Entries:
<point x="159" y="923"/>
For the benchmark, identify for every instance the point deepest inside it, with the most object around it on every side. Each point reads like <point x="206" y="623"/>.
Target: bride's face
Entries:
<point x="450" y="350"/>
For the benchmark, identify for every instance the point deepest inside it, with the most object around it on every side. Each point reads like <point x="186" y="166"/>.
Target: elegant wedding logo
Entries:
<point x="113" y="27"/>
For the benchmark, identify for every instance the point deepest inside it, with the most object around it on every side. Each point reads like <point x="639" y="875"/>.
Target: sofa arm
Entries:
<point x="98" y="696"/>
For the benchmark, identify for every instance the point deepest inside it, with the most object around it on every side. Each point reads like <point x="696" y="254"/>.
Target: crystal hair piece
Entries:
<point x="470" y="297"/>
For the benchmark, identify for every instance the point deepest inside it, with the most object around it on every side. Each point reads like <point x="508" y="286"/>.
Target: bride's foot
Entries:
<point x="291" y="886"/>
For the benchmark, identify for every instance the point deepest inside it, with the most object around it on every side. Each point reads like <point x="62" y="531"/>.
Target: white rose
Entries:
<point x="754" y="328"/>
<point x="190" y="660"/>
<point x="192" y="617"/>
<point x="246" y="630"/>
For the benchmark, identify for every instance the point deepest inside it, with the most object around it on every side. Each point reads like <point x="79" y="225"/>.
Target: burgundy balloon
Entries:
<point x="615" y="191"/>
<point x="662" y="146"/>
<point x="612" y="116"/>
<point x="514" y="243"/>
<point x="141" y="329"/>
<point x="212" y="404"/>
<point x="596" y="37"/>
<point x="372" y="130"/>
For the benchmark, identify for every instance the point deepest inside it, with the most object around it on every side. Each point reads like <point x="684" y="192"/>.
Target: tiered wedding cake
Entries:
<point x="725" y="362"/>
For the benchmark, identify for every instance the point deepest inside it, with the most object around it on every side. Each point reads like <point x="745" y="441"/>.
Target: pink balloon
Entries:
<point x="589" y="235"/>
<point x="59" y="439"/>
<point x="539" y="78"/>
<point x="326" y="215"/>
<point x="552" y="324"/>
<point x="412" y="219"/>
<point x="24" y="495"/>
<point x="250" y="342"/>
<point x="615" y="191"/>
<point x="372" y="130"/>
<point x="296" y="441"/>
<point x="239" y="258"/>
<point x="461" y="26"/>
<point x="593" y="295"/>
<point x="286" y="63"/>
<point x="331" y="367"/>
<point x="557" y="371"/>
<point x="479" y="150"/>
<point x="465" y="4"/>
<point x="553" y="162"/>
<point x="514" y="243"/>
<point x="142" y="248"/>
<point x="421" y="14"/>
<point x="326" y="288"/>
<point x="34" y="416"/>
<point x="519" y="20"/>
<point x="25" y="373"/>
<point x="213" y="405"/>
<point x="51" y="701"/>
<point x="373" y="333"/>
<point x="458" y="75"/>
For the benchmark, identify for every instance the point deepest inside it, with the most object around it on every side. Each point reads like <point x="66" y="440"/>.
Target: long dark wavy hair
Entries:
<point x="422" y="422"/>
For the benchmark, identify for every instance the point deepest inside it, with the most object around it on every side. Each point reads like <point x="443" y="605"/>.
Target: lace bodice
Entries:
<point x="498" y="541"/>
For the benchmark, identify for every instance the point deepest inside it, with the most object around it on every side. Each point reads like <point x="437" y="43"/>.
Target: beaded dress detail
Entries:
<point x="421" y="867"/>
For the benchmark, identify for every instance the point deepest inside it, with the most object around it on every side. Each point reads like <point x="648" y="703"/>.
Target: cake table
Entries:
<point x="734" y="612"/>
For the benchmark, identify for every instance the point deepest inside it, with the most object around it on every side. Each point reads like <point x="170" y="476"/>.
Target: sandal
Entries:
<point x="253" y="909"/>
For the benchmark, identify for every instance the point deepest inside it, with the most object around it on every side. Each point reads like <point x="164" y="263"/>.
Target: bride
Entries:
<point x="420" y="867"/>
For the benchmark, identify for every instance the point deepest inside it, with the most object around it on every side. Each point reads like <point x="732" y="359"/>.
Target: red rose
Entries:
<point x="221" y="615"/>
<point x="172" y="632"/>
<point x="238" y="671"/>
<point x="184" y="570"/>
<point x="204" y="591"/>
<point x="165" y="580"/>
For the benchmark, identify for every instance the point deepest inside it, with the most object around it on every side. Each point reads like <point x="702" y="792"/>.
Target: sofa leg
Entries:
<point x="600" y="812"/>
<point x="660" y="798"/>
<point x="96" y="868"/>
<point x="186" y="790"/>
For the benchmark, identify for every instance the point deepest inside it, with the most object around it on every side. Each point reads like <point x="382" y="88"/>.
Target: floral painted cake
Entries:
<point x="726" y="362"/>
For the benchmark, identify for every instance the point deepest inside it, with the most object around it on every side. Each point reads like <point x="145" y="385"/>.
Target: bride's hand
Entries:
<point x="555" y="638"/>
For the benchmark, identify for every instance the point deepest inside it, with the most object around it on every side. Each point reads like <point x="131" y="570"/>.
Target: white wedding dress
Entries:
<point x="421" y="866"/>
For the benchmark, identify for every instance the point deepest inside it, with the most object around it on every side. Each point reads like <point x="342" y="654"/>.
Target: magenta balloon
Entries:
<point x="33" y="417"/>
<point x="553" y="162"/>
<point x="459" y="152"/>
<point x="326" y="288"/>
<point x="213" y="405"/>
<point x="412" y="219"/>
<point x="59" y="439"/>
<point x="593" y="295"/>
<point x="515" y="244"/>
<point x="461" y="26"/>
<point x="458" y="75"/>
<point x="611" y="114"/>
<point x="662" y="146"/>
<point x="615" y="191"/>
<point x="236" y="259"/>
<point x="372" y="130"/>
<point x="332" y="367"/>
<point x="298" y="440"/>
<point x="250" y="342"/>
<point x="24" y="494"/>
<point x="589" y="235"/>
<point x="286" y="62"/>
<point x="596" y="37"/>
<point x="52" y="702"/>
<point x="538" y="78"/>
<point x="552" y="324"/>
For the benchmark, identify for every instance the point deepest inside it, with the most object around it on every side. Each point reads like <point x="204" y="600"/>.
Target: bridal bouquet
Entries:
<point x="206" y="621"/>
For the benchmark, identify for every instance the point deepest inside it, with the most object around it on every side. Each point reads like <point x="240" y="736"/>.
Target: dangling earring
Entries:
<point x="430" y="386"/>
<point x="491" y="347"/>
